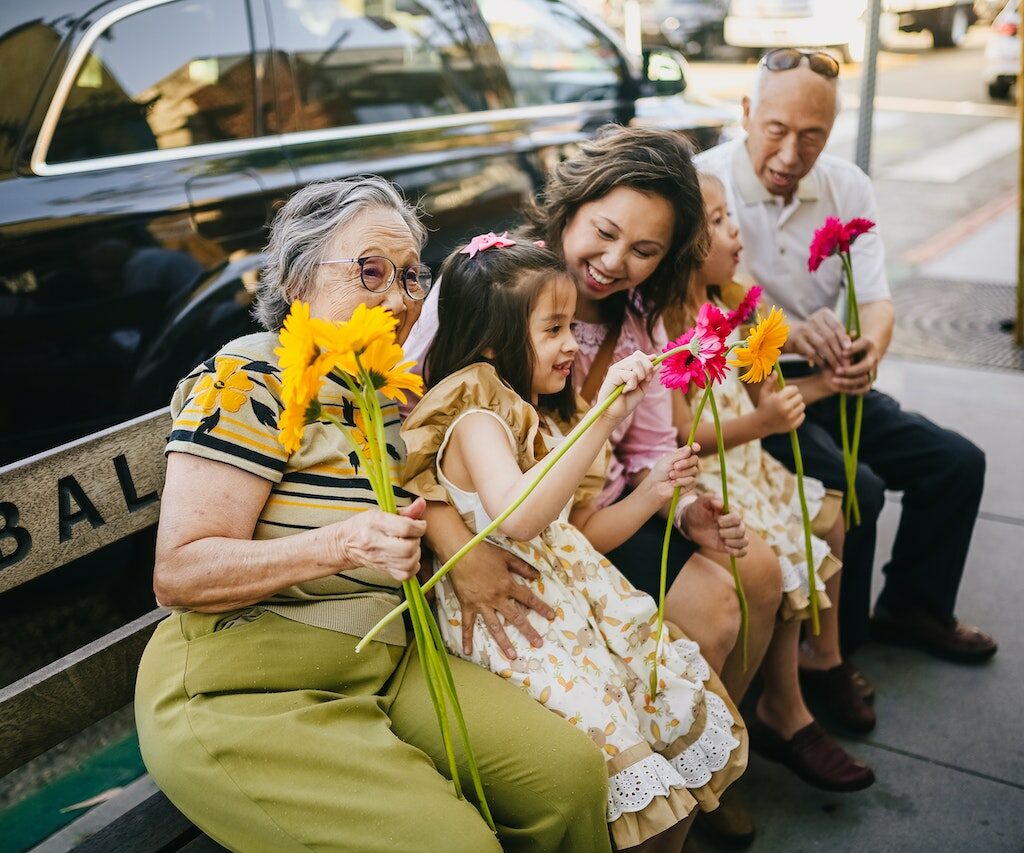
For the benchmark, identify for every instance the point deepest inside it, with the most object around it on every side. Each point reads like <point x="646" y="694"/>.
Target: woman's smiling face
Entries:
<point x="616" y="242"/>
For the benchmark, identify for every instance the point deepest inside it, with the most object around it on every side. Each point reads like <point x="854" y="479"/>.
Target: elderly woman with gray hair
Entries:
<point x="255" y="714"/>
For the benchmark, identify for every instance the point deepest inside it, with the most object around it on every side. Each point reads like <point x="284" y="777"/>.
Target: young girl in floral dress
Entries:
<point x="765" y="492"/>
<point x="500" y="398"/>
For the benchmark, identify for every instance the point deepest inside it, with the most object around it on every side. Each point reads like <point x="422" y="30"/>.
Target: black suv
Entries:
<point x="144" y="145"/>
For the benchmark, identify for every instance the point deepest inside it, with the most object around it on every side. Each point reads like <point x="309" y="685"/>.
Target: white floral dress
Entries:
<point x="764" y="491"/>
<point x="664" y="756"/>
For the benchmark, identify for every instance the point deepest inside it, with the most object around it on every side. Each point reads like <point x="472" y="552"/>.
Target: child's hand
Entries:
<point x="705" y="523"/>
<point x="634" y="371"/>
<point x="677" y="469"/>
<point x="779" y="410"/>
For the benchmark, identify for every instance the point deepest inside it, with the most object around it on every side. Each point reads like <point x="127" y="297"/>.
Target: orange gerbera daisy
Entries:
<point x="762" y="347"/>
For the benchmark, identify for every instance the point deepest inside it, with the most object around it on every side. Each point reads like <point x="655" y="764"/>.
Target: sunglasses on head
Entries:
<point x="786" y="58"/>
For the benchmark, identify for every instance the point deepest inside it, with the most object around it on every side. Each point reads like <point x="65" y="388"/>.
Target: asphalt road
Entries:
<point x="942" y="150"/>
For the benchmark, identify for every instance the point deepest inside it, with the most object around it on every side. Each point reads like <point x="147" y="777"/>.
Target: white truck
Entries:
<point x="763" y="24"/>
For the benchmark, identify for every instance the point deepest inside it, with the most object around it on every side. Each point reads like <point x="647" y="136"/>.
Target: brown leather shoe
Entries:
<point x="948" y="639"/>
<point x="864" y="687"/>
<point x="730" y="825"/>
<point x="813" y="756"/>
<point x="836" y="692"/>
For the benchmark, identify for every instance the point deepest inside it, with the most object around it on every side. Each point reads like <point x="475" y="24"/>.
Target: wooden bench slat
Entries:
<point x="153" y="826"/>
<point x="73" y="500"/>
<point x="203" y="844"/>
<point x="59" y="700"/>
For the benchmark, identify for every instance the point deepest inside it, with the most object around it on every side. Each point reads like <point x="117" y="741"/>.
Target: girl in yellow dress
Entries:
<point x="500" y="397"/>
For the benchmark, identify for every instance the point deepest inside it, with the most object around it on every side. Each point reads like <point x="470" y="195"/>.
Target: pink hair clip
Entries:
<point x="540" y="244"/>
<point x="487" y="241"/>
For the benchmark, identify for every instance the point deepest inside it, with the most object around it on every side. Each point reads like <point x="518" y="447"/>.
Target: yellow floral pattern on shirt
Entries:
<point x="228" y="385"/>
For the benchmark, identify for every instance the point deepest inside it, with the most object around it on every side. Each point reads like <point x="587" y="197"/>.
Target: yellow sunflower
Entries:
<point x="303" y="367"/>
<point x="391" y="376"/>
<point x="297" y="356"/>
<point x="226" y="385"/>
<point x="370" y="324"/>
<point x="762" y="347"/>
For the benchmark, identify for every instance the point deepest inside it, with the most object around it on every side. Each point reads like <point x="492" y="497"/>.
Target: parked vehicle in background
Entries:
<point x="946" y="20"/>
<point x="764" y="24"/>
<point x="693" y="27"/>
<point x="986" y="10"/>
<point x="1002" y="52"/>
<point x="840" y="24"/>
<point x="146" y="144"/>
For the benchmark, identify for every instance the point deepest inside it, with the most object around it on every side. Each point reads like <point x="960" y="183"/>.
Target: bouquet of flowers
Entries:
<point x="363" y="354"/>
<point x="835" y="238"/>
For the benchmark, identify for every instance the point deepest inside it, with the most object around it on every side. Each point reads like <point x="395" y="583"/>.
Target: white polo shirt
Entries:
<point x="777" y="236"/>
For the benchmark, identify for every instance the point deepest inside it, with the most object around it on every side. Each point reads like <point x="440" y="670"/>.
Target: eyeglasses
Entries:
<point x="786" y="58"/>
<point x="378" y="274"/>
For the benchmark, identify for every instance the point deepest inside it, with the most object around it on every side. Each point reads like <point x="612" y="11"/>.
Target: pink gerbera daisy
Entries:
<point x="827" y="240"/>
<point x="704" y="355"/>
<point x="855" y="227"/>
<point x="746" y="308"/>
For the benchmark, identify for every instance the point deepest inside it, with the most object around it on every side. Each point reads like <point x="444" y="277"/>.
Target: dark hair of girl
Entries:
<point x="652" y="162"/>
<point x="484" y="305"/>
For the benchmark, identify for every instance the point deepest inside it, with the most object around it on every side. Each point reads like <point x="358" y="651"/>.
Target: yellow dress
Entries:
<point x="664" y="756"/>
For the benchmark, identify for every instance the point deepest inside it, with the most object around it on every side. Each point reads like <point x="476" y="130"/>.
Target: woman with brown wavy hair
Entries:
<point x="626" y="215"/>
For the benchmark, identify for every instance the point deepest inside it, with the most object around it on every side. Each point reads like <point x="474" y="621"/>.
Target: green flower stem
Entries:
<point x="858" y="418"/>
<point x="550" y="460"/>
<point x="460" y="720"/>
<point x="851" y="449"/>
<point x="740" y="594"/>
<point x="664" y="547"/>
<point x="433" y="655"/>
<point x="428" y="660"/>
<point x="812" y="587"/>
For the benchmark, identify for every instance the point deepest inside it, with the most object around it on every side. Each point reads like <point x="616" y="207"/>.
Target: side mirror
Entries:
<point x="663" y="72"/>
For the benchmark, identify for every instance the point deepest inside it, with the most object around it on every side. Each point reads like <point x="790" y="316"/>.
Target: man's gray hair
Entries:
<point x="759" y="78"/>
<point x="303" y="229"/>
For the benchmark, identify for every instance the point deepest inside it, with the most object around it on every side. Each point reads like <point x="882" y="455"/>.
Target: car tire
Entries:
<point x="951" y="29"/>
<point x="999" y="89"/>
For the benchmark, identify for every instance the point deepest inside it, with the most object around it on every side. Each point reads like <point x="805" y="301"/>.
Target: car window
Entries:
<point x="354" y="62"/>
<point x="551" y="54"/>
<point x="176" y="74"/>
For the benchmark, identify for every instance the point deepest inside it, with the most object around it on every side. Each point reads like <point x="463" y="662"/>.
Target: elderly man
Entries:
<point x="780" y="187"/>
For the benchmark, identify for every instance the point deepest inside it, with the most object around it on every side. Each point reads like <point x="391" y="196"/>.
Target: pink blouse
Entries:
<point x="648" y="433"/>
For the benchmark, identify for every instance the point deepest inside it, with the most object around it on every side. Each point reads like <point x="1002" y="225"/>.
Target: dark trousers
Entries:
<point x="941" y="475"/>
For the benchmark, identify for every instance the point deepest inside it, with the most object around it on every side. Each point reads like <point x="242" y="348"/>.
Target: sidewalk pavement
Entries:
<point x="948" y="751"/>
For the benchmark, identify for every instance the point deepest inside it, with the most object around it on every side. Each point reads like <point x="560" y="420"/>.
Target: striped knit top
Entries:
<point x="227" y="409"/>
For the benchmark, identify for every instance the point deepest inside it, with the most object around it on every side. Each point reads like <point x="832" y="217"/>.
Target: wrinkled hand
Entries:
<point x="382" y="541"/>
<point x="856" y="373"/>
<point x="706" y="524"/>
<point x="674" y="470"/>
<point x="780" y="410"/>
<point x="821" y="338"/>
<point x="484" y="584"/>
<point x="635" y="372"/>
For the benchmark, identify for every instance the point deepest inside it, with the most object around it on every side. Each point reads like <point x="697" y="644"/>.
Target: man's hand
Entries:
<point x="821" y="339"/>
<point x="484" y="585"/>
<point x="708" y="527"/>
<point x="857" y="373"/>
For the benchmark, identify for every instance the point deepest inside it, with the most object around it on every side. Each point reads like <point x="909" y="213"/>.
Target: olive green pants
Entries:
<point x="273" y="735"/>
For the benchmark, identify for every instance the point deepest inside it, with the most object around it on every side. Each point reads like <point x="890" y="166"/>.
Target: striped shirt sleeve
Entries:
<point x="227" y="410"/>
